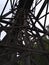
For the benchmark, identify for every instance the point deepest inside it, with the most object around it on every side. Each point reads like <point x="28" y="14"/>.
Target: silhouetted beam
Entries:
<point x="6" y="22"/>
<point x="26" y="4"/>
<point x="42" y="8"/>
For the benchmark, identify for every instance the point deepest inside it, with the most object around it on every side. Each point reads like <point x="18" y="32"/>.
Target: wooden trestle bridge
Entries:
<point x="22" y="33"/>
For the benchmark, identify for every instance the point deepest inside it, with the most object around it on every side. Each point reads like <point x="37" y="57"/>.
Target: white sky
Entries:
<point x="2" y="3"/>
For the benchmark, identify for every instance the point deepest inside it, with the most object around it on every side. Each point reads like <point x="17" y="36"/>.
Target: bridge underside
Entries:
<point x="24" y="42"/>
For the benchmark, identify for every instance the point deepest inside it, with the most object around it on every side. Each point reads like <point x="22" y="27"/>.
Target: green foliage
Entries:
<point x="38" y="59"/>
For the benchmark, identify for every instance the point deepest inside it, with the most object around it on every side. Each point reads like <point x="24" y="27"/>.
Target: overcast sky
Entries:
<point x="2" y="3"/>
